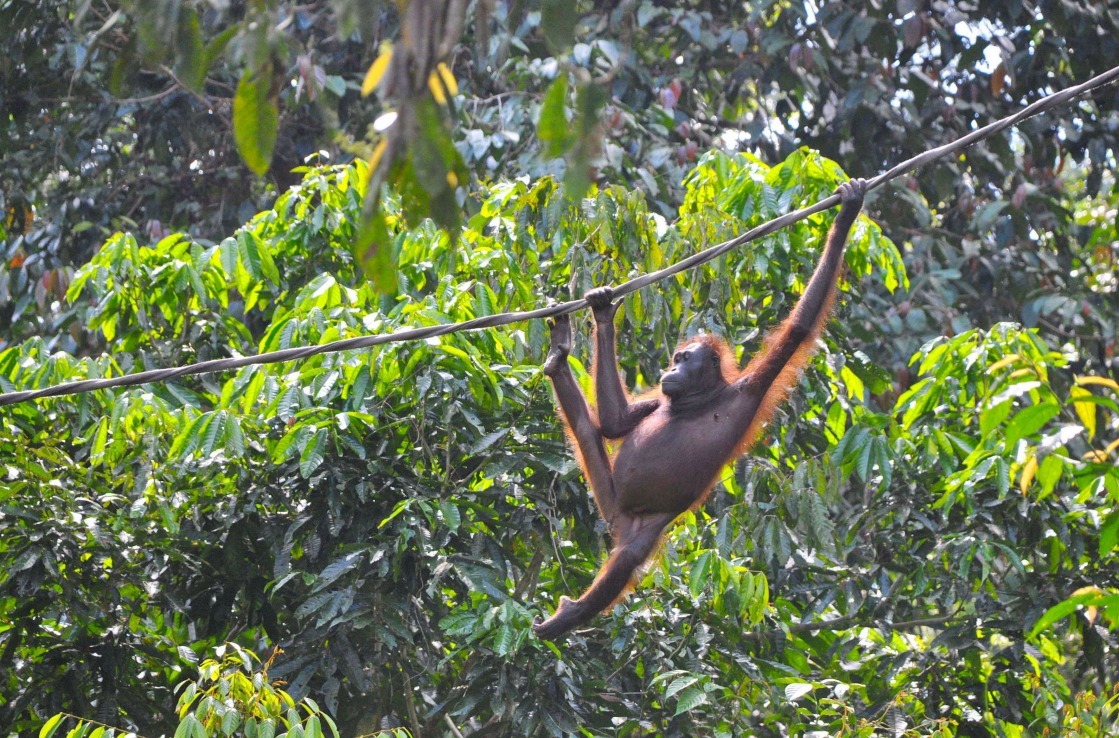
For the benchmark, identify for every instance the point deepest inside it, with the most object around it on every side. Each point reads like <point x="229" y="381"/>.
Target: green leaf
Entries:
<point x="217" y="46"/>
<point x="484" y="300"/>
<point x="1028" y="422"/>
<point x="588" y="103"/>
<point x="837" y="420"/>
<point x="373" y="250"/>
<point x="50" y="726"/>
<point x="987" y="215"/>
<point x="992" y="417"/>
<point x="438" y="168"/>
<point x="188" y="726"/>
<point x="451" y="516"/>
<point x="700" y="574"/>
<point x="268" y="265"/>
<point x="336" y="569"/>
<point x="552" y="127"/>
<point x="760" y="599"/>
<point x="330" y="724"/>
<point x="1015" y="391"/>
<point x="488" y="440"/>
<point x="190" y="57"/>
<point x="883" y="461"/>
<point x="1049" y="473"/>
<point x="679" y="684"/>
<point x="227" y="255"/>
<point x="313" y="453"/>
<point x="248" y="248"/>
<point x="558" y="19"/>
<point x="1109" y="533"/>
<point x="690" y="699"/>
<point x="866" y="460"/>
<point x="213" y="429"/>
<point x="124" y="70"/>
<point x="503" y="643"/>
<point x="290" y="402"/>
<point x="100" y="440"/>
<point x="256" y="118"/>
<point x="234" y="438"/>
<point x="1060" y="611"/>
<point x="199" y="730"/>
<point x="229" y="722"/>
<point x="1002" y="476"/>
<point x="796" y="690"/>
<point x="187" y="441"/>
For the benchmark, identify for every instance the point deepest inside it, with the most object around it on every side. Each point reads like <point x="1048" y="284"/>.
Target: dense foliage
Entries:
<point x="393" y="517"/>
<point x="925" y="540"/>
<point x="229" y="697"/>
<point x="121" y="115"/>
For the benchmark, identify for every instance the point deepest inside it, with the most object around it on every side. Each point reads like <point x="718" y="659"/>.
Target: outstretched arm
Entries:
<point x="787" y="348"/>
<point x="617" y="416"/>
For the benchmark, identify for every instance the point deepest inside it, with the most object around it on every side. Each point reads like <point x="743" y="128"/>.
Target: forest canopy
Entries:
<point x="923" y="543"/>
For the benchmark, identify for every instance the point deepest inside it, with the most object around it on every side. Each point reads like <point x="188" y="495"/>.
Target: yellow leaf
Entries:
<point x="376" y="71"/>
<point x="1028" y="471"/>
<point x="50" y="726"/>
<point x="436" y="87"/>
<point x="452" y="179"/>
<point x="1101" y="457"/>
<point x="1085" y="408"/>
<point x="1105" y="381"/>
<point x="447" y="78"/>
<point x="375" y="159"/>
<point x="1004" y="361"/>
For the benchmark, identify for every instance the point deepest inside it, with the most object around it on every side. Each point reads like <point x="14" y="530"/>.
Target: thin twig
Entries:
<point x="451" y="724"/>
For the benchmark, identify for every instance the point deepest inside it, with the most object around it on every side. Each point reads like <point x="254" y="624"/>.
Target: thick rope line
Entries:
<point x="491" y="321"/>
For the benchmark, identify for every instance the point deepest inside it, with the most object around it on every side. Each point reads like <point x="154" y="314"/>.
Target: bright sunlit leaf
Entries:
<point x="1003" y="362"/>
<point x="1029" y="469"/>
<point x="384" y="121"/>
<point x="1102" y="381"/>
<point x="447" y="78"/>
<point x="1085" y="407"/>
<point x="376" y="71"/>
<point x="375" y="159"/>
<point x="436" y="86"/>
<point x="256" y="118"/>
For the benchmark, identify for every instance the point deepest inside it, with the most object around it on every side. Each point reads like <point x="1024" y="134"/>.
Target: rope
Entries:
<point x="491" y="321"/>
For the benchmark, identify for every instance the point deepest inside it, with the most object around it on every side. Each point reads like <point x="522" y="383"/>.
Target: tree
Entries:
<point x="926" y="541"/>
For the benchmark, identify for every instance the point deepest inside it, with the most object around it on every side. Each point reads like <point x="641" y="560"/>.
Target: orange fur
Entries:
<point x="637" y="575"/>
<point x="790" y="374"/>
<point x="728" y="367"/>
<point x="642" y="485"/>
<point x="573" y="443"/>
